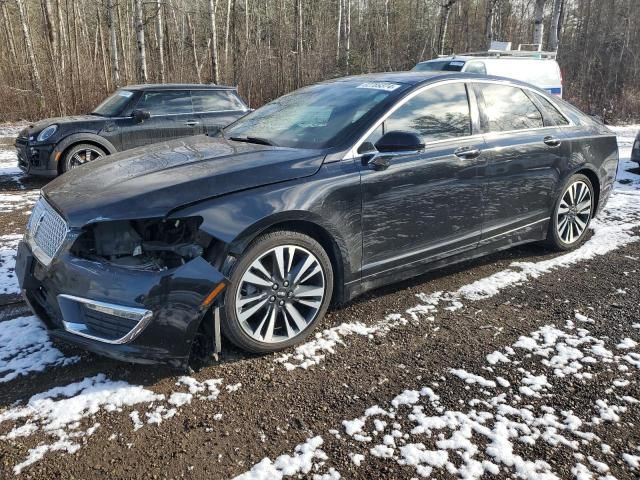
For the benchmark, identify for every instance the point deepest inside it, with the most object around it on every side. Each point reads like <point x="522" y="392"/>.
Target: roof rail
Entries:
<point x="510" y="53"/>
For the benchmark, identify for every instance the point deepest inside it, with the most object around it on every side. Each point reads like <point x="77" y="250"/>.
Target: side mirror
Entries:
<point x="399" y="141"/>
<point x="140" y="115"/>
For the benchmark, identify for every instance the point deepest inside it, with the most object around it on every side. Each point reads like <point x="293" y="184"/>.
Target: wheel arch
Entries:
<point x="328" y="238"/>
<point x="595" y="183"/>
<point x="72" y="140"/>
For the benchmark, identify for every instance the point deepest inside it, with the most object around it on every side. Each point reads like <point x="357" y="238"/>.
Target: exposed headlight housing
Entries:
<point x="153" y="244"/>
<point x="47" y="133"/>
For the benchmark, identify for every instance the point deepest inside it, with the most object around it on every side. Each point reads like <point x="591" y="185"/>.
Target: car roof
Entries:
<point x="178" y="86"/>
<point x="417" y="78"/>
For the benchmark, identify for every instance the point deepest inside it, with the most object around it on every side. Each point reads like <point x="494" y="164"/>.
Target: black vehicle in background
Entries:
<point x="316" y="197"/>
<point x="133" y="116"/>
<point x="635" y="151"/>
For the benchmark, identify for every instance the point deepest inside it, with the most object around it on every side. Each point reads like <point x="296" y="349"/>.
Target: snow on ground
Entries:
<point x="491" y="432"/>
<point x="11" y="130"/>
<point x="305" y="457"/>
<point x="436" y="433"/>
<point x="612" y="229"/>
<point x="9" y="163"/>
<point x="8" y="246"/>
<point x="25" y="347"/>
<point x="12" y="201"/>
<point x="66" y="414"/>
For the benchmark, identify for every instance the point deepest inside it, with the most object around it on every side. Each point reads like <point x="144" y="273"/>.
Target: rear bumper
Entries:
<point x="57" y="294"/>
<point x="36" y="159"/>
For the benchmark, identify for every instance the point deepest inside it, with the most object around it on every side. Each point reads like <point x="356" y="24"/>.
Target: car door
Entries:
<point x="427" y="204"/>
<point x="525" y="158"/>
<point x="171" y="116"/>
<point x="217" y="108"/>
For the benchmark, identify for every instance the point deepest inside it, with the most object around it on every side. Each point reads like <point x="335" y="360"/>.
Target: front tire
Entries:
<point x="79" y="155"/>
<point x="572" y="214"/>
<point x="279" y="290"/>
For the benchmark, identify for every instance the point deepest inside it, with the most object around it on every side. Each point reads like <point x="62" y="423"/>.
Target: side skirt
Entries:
<point x="531" y="233"/>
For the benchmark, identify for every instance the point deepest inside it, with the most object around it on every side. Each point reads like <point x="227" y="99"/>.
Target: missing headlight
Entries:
<point x="155" y="244"/>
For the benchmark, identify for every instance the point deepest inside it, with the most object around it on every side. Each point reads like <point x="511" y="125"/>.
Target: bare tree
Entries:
<point x="215" y="75"/>
<point x="538" y="21"/>
<point x="445" y="11"/>
<point x="160" y="35"/>
<point x="274" y="46"/>
<point x="555" y="25"/>
<point x="140" y="42"/>
<point x="35" y="74"/>
<point x="348" y="36"/>
<point x="9" y="33"/>
<point x="113" y="45"/>
<point x="488" y="24"/>
<point x="339" y="29"/>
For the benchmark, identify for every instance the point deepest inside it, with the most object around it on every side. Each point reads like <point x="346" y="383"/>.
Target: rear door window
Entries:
<point x="552" y="116"/>
<point x="437" y="113"/>
<point x="166" y="103"/>
<point x="508" y="108"/>
<point x="215" y="101"/>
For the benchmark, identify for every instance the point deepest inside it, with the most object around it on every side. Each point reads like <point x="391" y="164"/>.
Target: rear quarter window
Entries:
<point x="166" y="102"/>
<point x="508" y="108"/>
<point x="553" y="117"/>
<point x="215" y="100"/>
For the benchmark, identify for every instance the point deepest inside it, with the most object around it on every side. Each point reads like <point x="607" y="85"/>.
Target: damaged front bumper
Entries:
<point x="36" y="159"/>
<point x="128" y="315"/>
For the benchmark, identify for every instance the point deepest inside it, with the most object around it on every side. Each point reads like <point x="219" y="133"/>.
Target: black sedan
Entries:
<point x="133" y="116"/>
<point x="318" y="196"/>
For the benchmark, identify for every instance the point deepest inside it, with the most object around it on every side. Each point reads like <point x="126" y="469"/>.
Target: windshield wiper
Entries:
<point x="258" y="140"/>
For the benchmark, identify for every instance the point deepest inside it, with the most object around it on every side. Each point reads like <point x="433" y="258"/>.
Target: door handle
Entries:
<point x="191" y="123"/>
<point x="551" y="141"/>
<point x="467" y="152"/>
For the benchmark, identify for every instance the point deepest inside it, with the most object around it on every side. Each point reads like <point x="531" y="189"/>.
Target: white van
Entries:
<point x="537" y="68"/>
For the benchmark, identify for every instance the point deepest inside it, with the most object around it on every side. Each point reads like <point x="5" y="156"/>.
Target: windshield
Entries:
<point x="114" y="104"/>
<point x="318" y="116"/>
<point x="440" y="65"/>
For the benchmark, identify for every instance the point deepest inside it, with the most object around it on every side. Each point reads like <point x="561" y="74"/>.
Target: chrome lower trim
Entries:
<point x="141" y="315"/>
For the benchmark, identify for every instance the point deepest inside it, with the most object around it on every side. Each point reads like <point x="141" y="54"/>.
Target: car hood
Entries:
<point x="152" y="181"/>
<point x="75" y="119"/>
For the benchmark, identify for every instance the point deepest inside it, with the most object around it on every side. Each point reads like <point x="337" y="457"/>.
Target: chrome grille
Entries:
<point x="46" y="230"/>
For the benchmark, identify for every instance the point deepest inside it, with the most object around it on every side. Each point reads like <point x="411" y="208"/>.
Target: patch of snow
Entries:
<point x="8" y="247"/>
<point x="25" y="348"/>
<point x="626" y="344"/>
<point x="61" y="411"/>
<point x="306" y="456"/>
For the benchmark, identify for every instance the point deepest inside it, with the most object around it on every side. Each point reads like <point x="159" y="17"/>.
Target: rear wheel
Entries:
<point x="572" y="214"/>
<point x="80" y="154"/>
<point x="280" y="288"/>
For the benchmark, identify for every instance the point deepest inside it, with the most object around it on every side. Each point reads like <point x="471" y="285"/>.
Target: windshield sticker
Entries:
<point x="456" y="64"/>
<point x="125" y="93"/>
<point x="387" y="86"/>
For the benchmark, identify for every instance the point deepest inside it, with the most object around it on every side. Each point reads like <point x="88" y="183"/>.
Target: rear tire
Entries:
<point x="280" y="288"/>
<point x="79" y="155"/>
<point x="572" y="214"/>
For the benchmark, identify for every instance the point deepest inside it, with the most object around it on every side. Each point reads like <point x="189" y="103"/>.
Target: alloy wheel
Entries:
<point x="574" y="212"/>
<point x="280" y="294"/>
<point x="83" y="156"/>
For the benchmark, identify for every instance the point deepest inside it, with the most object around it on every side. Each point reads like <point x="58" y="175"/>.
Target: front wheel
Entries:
<point x="280" y="288"/>
<point x="572" y="214"/>
<point x="79" y="155"/>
